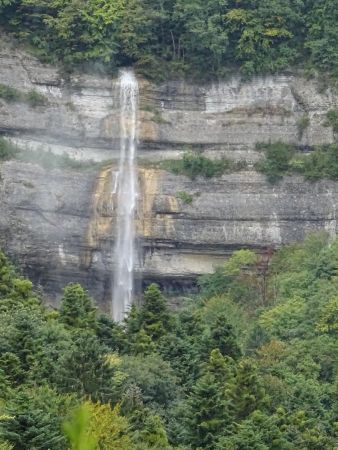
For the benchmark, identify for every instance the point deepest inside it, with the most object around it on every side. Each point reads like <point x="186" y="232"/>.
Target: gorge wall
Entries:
<point x="58" y="223"/>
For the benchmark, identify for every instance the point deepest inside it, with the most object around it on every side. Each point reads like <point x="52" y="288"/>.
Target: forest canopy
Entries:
<point x="198" y="38"/>
<point x="248" y="364"/>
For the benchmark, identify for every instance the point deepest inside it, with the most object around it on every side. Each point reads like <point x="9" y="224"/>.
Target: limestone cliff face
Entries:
<point x="59" y="224"/>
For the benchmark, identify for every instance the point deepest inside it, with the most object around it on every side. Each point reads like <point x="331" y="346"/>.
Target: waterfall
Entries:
<point x="126" y="192"/>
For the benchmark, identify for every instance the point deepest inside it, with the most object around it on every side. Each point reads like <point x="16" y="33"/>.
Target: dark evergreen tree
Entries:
<point x="77" y="310"/>
<point x="209" y="406"/>
<point x="248" y="393"/>
<point x="34" y="419"/>
<point x="154" y="313"/>
<point x="85" y="369"/>
<point x="223" y="337"/>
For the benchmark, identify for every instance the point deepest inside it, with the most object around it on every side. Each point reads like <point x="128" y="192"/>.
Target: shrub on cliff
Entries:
<point x="7" y="149"/>
<point x="277" y="160"/>
<point x="281" y="159"/>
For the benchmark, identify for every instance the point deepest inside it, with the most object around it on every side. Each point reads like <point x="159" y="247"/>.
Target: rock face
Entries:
<point x="59" y="223"/>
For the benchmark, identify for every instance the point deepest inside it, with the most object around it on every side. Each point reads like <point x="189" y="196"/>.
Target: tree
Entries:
<point x="77" y="310"/>
<point x="248" y="394"/>
<point x="110" y="333"/>
<point x="35" y="417"/>
<point x="328" y="322"/>
<point x="322" y="35"/>
<point x="154" y="376"/>
<point x="76" y="430"/>
<point x="223" y="337"/>
<point x="98" y="427"/>
<point x="148" y="431"/>
<point x="266" y="36"/>
<point x="204" y="41"/>
<point x="85" y="369"/>
<point x="210" y="413"/>
<point x="154" y="314"/>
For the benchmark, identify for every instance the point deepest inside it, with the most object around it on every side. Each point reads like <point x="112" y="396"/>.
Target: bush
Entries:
<point x="302" y="124"/>
<point x="35" y="99"/>
<point x="322" y="163"/>
<point x="185" y="197"/>
<point x="193" y="165"/>
<point x="277" y="160"/>
<point x="10" y="94"/>
<point x="332" y="119"/>
<point x="7" y="150"/>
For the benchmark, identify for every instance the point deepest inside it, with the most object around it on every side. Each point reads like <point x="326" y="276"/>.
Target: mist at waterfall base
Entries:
<point x="125" y="189"/>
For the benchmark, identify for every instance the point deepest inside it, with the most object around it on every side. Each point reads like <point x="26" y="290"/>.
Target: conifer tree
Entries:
<point x="224" y="338"/>
<point x="154" y="314"/>
<point x="248" y="394"/>
<point x="210" y="407"/>
<point x="77" y="310"/>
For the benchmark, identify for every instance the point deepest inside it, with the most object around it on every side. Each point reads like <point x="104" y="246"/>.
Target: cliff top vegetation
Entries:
<point x="197" y="38"/>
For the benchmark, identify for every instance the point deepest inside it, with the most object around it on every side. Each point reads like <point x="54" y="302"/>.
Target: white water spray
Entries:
<point x="126" y="191"/>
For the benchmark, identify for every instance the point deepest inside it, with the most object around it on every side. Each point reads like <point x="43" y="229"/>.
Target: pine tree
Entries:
<point x="77" y="310"/>
<point x="224" y="338"/>
<point x="154" y="314"/>
<point x="85" y="369"/>
<point x="248" y="394"/>
<point x="210" y="408"/>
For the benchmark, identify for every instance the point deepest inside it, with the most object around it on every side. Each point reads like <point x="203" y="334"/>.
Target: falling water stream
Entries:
<point x="126" y="192"/>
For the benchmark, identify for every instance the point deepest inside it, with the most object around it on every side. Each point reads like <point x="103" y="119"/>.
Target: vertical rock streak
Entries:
<point x="126" y="191"/>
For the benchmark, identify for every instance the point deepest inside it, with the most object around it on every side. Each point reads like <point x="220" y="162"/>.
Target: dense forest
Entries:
<point x="250" y="363"/>
<point x="161" y="38"/>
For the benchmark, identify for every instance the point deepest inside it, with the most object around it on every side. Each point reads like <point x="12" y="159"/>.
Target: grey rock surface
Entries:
<point x="58" y="225"/>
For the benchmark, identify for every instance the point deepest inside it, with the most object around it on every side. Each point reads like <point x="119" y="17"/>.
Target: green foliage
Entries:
<point x="153" y="376"/>
<point x="248" y="393"/>
<point x="154" y="314"/>
<point x="281" y="159"/>
<point x="204" y="39"/>
<point x="209" y="405"/>
<point x="277" y="160"/>
<point x="148" y="431"/>
<point x="302" y="124"/>
<point x="77" y="430"/>
<point x="32" y="97"/>
<point x="332" y="119"/>
<point x="193" y="165"/>
<point x="223" y="338"/>
<point x="35" y="419"/>
<point x="10" y="94"/>
<point x="7" y="149"/>
<point x="238" y="278"/>
<point x="226" y="371"/>
<point x="94" y="426"/>
<point x="281" y="320"/>
<point x="5" y="446"/>
<point x="241" y="259"/>
<point x="77" y="310"/>
<point x="185" y="197"/>
<point x="35" y="99"/>
<point x="322" y="36"/>
<point x="328" y="321"/>
<point x="85" y="369"/>
<point x="320" y="164"/>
